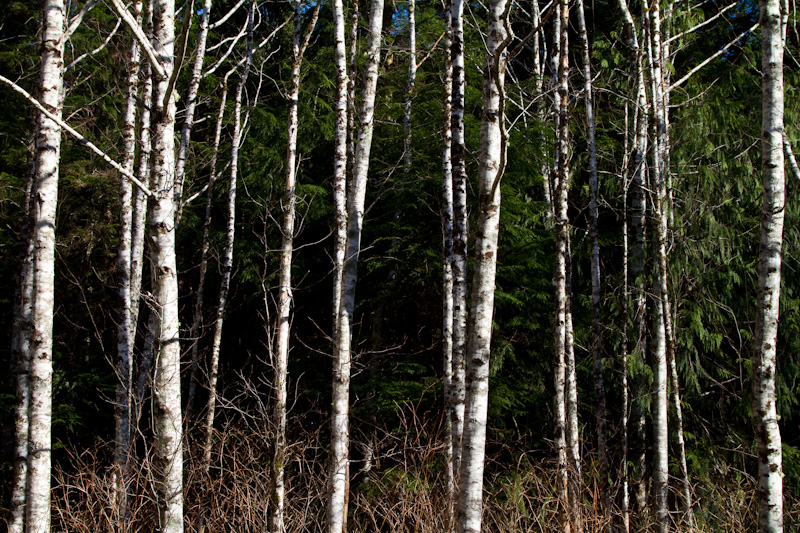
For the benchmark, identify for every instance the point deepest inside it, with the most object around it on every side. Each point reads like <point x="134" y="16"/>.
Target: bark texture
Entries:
<point x="765" y="416"/>
<point x="40" y="380"/>
<point x="492" y="163"/>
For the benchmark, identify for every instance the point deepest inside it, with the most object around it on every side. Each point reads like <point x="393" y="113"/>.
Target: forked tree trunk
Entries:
<point x="227" y="262"/>
<point x="492" y="164"/>
<point x="459" y="173"/>
<point x="768" y="437"/>
<point x="337" y="496"/>
<point x="277" y="485"/>
<point x="168" y="461"/>
<point x="48" y="151"/>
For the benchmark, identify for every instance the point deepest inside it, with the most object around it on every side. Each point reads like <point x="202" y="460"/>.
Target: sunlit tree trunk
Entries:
<point x="659" y="200"/>
<point x="21" y="344"/>
<point x="227" y="262"/>
<point x="166" y="384"/>
<point x="492" y="164"/>
<point x="447" y="261"/>
<point x="340" y="157"/>
<point x="126" y="330"/>
<point x="459" y="263"/>
<point x="277" y="480"/>
<point x="337" y="496"/>
<point x="573" y="429"/>
<point x="560" y="62"/>
<point x="195" y="331"/>
<point x="40" y="380"/>
<point x="768" y="437"/>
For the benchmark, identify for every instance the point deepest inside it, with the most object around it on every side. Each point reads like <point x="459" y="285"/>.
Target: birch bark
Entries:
<point x="21" y="343"/>
<point x="277" y="488"/>
<point x="447" y="262"/>
<point x="127" y="326"/>
<point x="459" y="173"/>
<point x="596" y="343"/>
<point x="227" y="262"/>
<point x="560" y="62"/>
<point x="166" y="384"/>
<point x="492" y="163"/>
<point x="337" y="510"/>
<point x="768" y="437"/>
<point x="48" y="151"/>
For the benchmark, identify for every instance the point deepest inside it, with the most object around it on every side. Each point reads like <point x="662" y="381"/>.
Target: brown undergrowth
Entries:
<point x="402" y="490"/>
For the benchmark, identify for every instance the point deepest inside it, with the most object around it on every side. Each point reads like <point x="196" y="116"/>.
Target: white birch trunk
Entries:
<point x="197" y="322"/>
<point x="625" y="504"/>
<point x="277" y="480"/>
<point x="166" y="384"/>
<point x="227" y="262"/>
<point x="126" y="330"/>
<point x="596" y="343"/>
<point x="48" y="150"/>
<point x="337" y="507"/>
<point x="573" y="430"/>
<point x="492" y="162"/>
<point x="659" y="199"/>
<point x="340" y="157"/>
<point x="459" y="173"/>
<point x="447" y="263"/>
<point x="21" y="345"/>
<point x="412" y="80"/>
<point x="560" y="61"/>
<point x="768" y="437"/>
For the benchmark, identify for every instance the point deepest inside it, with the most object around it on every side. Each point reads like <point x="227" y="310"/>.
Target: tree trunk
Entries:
<point x="166" y="384"/>
<point x="227" y="263"/>
<point x="596" y="343"/>
<point x="126" y="330"/>
<point x="40" y="381"/>
<point x="492" y="165"/>
<point x="340" y="157"/>
<point x="560" y="61"/>
<point x="768" y="437"/>
<point x="447" y="264"/>
<point x="196" y="331"/>
<point x="459" y="173"/>
<point x="573" y="430"/>
<point x="21" y="341"/>
<point x="337" y="510"/>
<point x="625" y="505"/>
<point x="659" y="199"/>
<point x="412" y="80"/>
<point x="277" y="488"/>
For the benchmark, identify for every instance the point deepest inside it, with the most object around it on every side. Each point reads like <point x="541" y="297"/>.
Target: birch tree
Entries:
<point x="357" y="188"/>
<point x="166" y="384"/>
<point x="560" y="60"/>
<point x="768" y="436"/>
<point x="227" y="262"/>
<point x="459" y="261"/>
<point x="277" y="480"/>
<point x="126" y="330"/>
<point x="492" y="165"/>
<point x="40" y="380"/>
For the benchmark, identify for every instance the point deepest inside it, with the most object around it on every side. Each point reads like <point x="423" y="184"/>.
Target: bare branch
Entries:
<point x="96" y="50"/>
<point x="77" y="19"/>
<point x="712" y="57"/>
<point x="700" y="25"/>
<point x="80" y="138"/>
<point x="141" y="37"/>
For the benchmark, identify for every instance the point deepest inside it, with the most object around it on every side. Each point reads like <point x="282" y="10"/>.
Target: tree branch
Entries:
<point x="96" y="50"/>
<point x="787" y="147"/>
<point x="80" y="138"/>
<point x="144" y="42"/>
